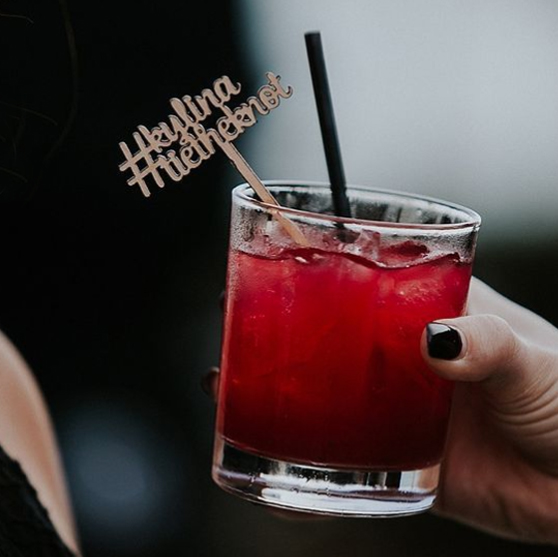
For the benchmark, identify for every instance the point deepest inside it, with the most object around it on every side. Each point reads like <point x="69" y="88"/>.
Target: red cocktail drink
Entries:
<point x="321" y="360"/>
<point x="325" y="402"/>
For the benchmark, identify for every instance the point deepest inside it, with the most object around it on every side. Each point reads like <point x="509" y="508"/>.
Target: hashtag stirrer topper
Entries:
<point x="173" y="148"/>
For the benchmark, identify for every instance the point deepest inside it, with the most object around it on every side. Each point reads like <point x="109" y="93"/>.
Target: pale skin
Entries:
<point x="500" y="472"/>
<point x="27" y="435"/>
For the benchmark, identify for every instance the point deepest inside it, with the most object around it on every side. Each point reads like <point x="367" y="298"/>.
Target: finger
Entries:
<point x="210" y="383"/>
<point x="477" y="348"/>
<point x="518" y="380"/>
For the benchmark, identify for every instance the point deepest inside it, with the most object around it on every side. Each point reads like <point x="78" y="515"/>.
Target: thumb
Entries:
<point x="475" y="348"/>
<point x="519" y="380"/>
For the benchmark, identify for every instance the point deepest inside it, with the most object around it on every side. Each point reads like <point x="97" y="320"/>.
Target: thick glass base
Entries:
<point x="325" y="491"/>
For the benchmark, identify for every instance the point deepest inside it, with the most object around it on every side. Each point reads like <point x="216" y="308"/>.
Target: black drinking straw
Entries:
<point x="327" y="124"/>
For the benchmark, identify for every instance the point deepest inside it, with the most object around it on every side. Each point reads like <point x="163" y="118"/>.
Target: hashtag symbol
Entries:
<point x="142" y="164"/>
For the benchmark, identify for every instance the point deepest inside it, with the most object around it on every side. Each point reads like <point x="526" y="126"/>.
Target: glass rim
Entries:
<point x="474" y="222"/>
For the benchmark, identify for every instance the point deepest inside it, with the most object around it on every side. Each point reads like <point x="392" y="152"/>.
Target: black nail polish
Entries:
<point x="443" y="342"/>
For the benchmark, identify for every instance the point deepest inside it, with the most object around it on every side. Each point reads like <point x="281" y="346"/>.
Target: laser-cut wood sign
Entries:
<point x="156" y="160"/>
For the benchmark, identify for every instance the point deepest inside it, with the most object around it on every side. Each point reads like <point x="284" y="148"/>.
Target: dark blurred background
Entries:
<point x="114" y="299"/>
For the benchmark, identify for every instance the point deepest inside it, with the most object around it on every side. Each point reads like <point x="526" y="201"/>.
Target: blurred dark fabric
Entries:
<point x="25" y="526"/>
<point x="113" y="298"/>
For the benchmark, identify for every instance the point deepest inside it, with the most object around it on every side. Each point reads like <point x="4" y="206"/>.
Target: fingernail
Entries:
<point x="443" y="342"/>
<point x="206" y="380"/>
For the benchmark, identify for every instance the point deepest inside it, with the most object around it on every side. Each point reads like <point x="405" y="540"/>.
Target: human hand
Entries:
<point x="500" y="472"/>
